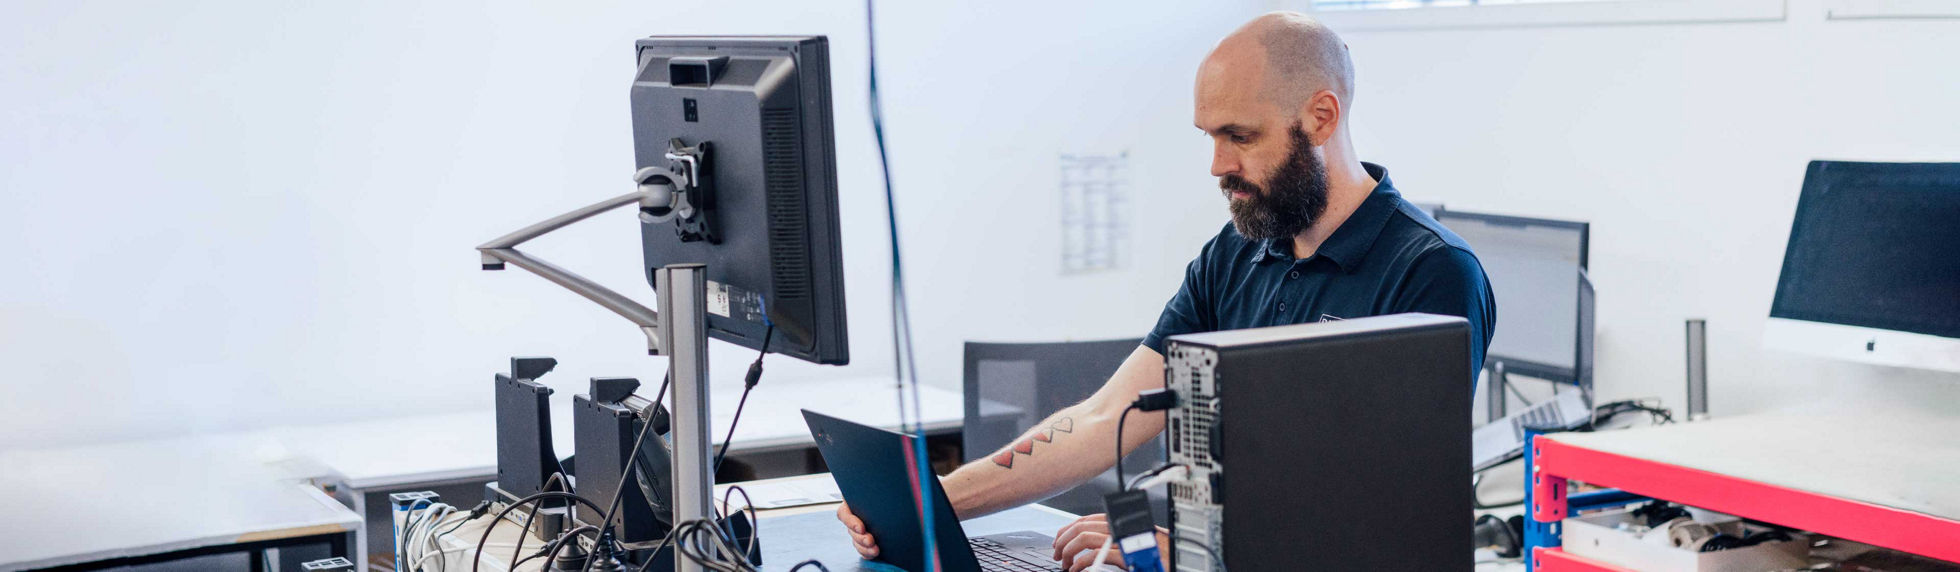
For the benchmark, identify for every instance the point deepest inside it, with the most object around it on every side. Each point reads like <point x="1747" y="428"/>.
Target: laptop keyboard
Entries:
<point x="994" y="556"/>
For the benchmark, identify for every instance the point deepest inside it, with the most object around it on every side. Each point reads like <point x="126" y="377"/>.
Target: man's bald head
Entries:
<point x="1297" y="54"/>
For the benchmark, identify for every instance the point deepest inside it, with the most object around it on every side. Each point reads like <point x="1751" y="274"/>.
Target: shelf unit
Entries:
<point x="1842" y="476"/>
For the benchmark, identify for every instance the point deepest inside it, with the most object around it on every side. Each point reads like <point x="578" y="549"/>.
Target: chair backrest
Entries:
<point x="1011" y="386"/>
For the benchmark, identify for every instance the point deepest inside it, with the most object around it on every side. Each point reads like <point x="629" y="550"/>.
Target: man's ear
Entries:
<point x="1320" y="116"/>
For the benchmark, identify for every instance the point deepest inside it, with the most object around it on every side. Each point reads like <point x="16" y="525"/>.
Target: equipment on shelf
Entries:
<point x="1663" y="536"/>
<point x="525" y="459"/>
<point x="1537" y="268"/>
<point x="605" y="424"/>
<point x="1870" y="273"/>
<point x="1322" y="422"/>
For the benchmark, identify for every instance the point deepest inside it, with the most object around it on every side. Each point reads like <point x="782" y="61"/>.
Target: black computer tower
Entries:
<point x="1338" y="445"/>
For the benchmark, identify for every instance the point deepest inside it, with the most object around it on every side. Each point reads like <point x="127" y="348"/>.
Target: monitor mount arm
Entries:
<point x="676" y="193"/>
<point x="681" y="193"/>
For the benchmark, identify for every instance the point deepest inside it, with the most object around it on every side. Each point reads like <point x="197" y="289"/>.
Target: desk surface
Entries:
<point x="99" y="502"/>
<point x="421" y="449"/>
<point x="788" y="536"/>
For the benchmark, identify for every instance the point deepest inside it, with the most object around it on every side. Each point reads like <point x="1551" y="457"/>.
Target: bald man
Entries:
<point x="1316" y="234"/>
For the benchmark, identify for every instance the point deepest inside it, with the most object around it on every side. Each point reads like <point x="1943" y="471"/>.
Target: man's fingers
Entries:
<point x="1090" y="522"/>
<point x="1086" y="559"/>
<point x="849" y="518"/>
<point x="1082" y="548"/>
<point x="866" y="545"/>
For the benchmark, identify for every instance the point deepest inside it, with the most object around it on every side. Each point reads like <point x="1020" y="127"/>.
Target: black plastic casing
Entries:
<point x="765" y="111"/>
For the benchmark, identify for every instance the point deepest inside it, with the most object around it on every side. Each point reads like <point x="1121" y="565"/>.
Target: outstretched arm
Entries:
<point x="1064" y="450"/>
<point x="1069" y="447"/>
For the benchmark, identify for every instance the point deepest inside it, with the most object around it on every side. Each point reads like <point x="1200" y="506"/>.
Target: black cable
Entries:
<point x="475" y="513"/>
<point x="1158" y="470"/>
<point x="747" y="503"/>
<point x="800" y="565"/>
<point x="633" y="467"/>
<point x="531" y="517"/>
<point x="570" y="537"/>
<point x="748" y="382"/>
<point x="655" y="555"/>
<point x="1119" y="442"/>
<point x="477" y="560"/>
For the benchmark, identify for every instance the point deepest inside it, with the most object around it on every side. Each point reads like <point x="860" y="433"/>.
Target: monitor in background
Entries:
<point x="1872" y="271"/>
<point x="1537" y="269"/>
<point x="750" y="119"/>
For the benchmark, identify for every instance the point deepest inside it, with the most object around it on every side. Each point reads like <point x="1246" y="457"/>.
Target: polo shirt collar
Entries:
<point x="1349" y="243"/>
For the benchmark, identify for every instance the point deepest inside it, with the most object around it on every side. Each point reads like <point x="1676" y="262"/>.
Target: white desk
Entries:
<point x="455" y="448"/>
<point x="387" y="453"/>
<point x="139" y="501"/>
<point x="788" y="535"/>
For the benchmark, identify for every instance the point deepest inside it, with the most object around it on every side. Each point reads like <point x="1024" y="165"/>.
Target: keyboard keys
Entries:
<point x="994" y="556"/>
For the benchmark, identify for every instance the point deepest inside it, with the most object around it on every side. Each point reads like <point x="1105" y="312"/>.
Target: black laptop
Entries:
<point x="871" y="469"/>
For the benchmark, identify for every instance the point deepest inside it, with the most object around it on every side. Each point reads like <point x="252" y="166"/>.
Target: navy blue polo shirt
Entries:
<point x="1388" y="257"/>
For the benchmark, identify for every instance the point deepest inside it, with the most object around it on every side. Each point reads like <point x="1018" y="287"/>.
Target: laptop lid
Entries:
<point x="873" y="472"/>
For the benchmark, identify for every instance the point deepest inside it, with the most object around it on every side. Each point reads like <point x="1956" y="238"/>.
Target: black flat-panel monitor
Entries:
<point x="760" y="108"/>
<point x="1537" y="271"/>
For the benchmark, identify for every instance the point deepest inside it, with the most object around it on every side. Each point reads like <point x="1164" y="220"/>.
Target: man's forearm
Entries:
<point x="1067" y="448"/>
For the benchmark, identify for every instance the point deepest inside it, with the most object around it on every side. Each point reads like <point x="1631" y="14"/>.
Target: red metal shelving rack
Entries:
<point x="1893" y="528"/>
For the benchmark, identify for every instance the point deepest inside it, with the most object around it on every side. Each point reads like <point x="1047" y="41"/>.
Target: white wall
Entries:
<point x="1684" y="144"/>
<point x="228" y="215"/>
<point x="233" y="214"/>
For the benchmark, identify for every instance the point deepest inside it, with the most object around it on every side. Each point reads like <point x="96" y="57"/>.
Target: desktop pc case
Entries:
<point x="1339" y="445"/>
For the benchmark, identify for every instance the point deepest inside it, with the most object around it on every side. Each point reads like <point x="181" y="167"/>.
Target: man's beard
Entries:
<point x="1293" y="198"/>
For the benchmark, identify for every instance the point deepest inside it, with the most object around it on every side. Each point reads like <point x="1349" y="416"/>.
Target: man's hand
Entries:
<point x="1077" y="543"/>
<point x="860" y="538"/>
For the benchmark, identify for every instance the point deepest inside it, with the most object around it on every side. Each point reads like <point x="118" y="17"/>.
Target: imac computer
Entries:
<point x="1537" y="271"/>
<point x="736" y="188"/>
<point x="1872" y="271"/>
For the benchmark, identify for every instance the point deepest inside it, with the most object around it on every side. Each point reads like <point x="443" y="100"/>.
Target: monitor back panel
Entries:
<point x="1330" y="446"/>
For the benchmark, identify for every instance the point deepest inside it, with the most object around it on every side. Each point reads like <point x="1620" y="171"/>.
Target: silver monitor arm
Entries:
<point x="678" y="330"/>
<point x="663" y="195"/>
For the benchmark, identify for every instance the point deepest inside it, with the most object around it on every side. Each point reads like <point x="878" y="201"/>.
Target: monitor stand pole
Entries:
<point x="678" y="330"/>
<point x="682" y="300"/>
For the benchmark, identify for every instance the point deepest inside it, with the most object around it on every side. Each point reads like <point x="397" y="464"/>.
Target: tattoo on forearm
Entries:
<point x="1026" y="447"/>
